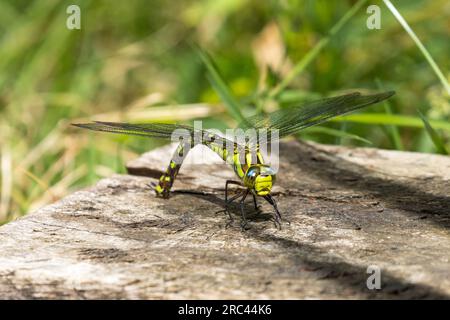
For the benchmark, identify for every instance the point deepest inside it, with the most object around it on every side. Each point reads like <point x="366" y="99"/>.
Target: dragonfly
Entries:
<point x="245" y="158"/>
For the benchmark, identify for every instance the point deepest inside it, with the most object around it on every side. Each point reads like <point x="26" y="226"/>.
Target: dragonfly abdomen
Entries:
<point x="240" y="159"/>
<point x="168" y="177"/>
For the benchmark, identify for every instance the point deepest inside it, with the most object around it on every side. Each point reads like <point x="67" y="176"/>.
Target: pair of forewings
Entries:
<point x="275" y="125"/>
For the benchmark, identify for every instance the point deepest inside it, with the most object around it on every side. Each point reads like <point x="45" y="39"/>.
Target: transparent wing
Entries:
<point x="153" y="130"/>
<point x="291" y="120"/>
<point x="285" y="121"/>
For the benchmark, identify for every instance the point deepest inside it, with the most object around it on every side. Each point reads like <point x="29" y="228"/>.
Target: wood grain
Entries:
<point x="349" y="209"/>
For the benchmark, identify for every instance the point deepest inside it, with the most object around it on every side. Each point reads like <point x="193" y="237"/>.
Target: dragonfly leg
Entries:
<point x="229" y="201"/>
<point x="277" y="215"/>
<point x="244" y="219"/>
<point x="226" y="187"/>
<point x="257" y="208"/>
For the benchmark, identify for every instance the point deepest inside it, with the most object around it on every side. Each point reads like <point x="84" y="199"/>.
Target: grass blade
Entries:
<point x="419" y="44"/>
<point x="220" y="87"/>
<point x="392" y="131"/>
<point x="437" y="140"/>
<point x="336" y="133"/>
<point x="391" y="119"/>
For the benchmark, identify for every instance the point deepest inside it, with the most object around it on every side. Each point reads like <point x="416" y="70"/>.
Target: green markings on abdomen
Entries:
<point x="168" y="177"/>
<point x="240" y="160"/>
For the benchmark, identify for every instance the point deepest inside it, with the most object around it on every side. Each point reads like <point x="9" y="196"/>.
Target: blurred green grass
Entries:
<point x="132" y="61"/>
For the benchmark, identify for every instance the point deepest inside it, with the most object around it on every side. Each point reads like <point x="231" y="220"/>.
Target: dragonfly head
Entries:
<point x="260" y="178"/>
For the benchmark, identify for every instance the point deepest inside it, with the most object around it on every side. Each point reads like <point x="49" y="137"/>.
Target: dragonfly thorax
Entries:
<point x="260" y="178"/>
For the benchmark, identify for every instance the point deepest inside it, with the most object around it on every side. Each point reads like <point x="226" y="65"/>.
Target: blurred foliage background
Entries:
<point x="133" y="61"/>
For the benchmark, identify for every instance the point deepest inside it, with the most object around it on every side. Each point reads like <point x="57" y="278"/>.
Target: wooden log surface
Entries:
<point x="349" y="208"/>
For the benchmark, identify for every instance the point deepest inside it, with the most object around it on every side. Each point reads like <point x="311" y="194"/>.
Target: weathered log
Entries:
<point x="349" y="208"/>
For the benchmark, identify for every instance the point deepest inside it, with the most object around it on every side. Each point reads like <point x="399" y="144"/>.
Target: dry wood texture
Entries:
<point x="349" y="208"/>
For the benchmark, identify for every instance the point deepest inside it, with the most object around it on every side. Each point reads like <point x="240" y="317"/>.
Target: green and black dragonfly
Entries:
<point x="245" y="158"/>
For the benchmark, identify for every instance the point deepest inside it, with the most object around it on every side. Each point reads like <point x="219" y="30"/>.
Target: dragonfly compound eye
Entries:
<point x="250" y="176"/>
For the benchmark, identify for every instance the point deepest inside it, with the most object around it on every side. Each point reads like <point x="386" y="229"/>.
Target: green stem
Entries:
<point x="392" y="131"/>
<point x="419" y="44"/>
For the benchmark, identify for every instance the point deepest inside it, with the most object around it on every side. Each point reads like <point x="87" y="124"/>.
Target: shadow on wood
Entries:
<point x="349" y="209"/>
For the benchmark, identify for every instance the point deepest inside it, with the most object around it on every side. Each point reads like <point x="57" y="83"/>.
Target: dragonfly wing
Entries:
<point x="154" y="130"/>
<point x="168" y="131"/>
<point x="291" y="120"/>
